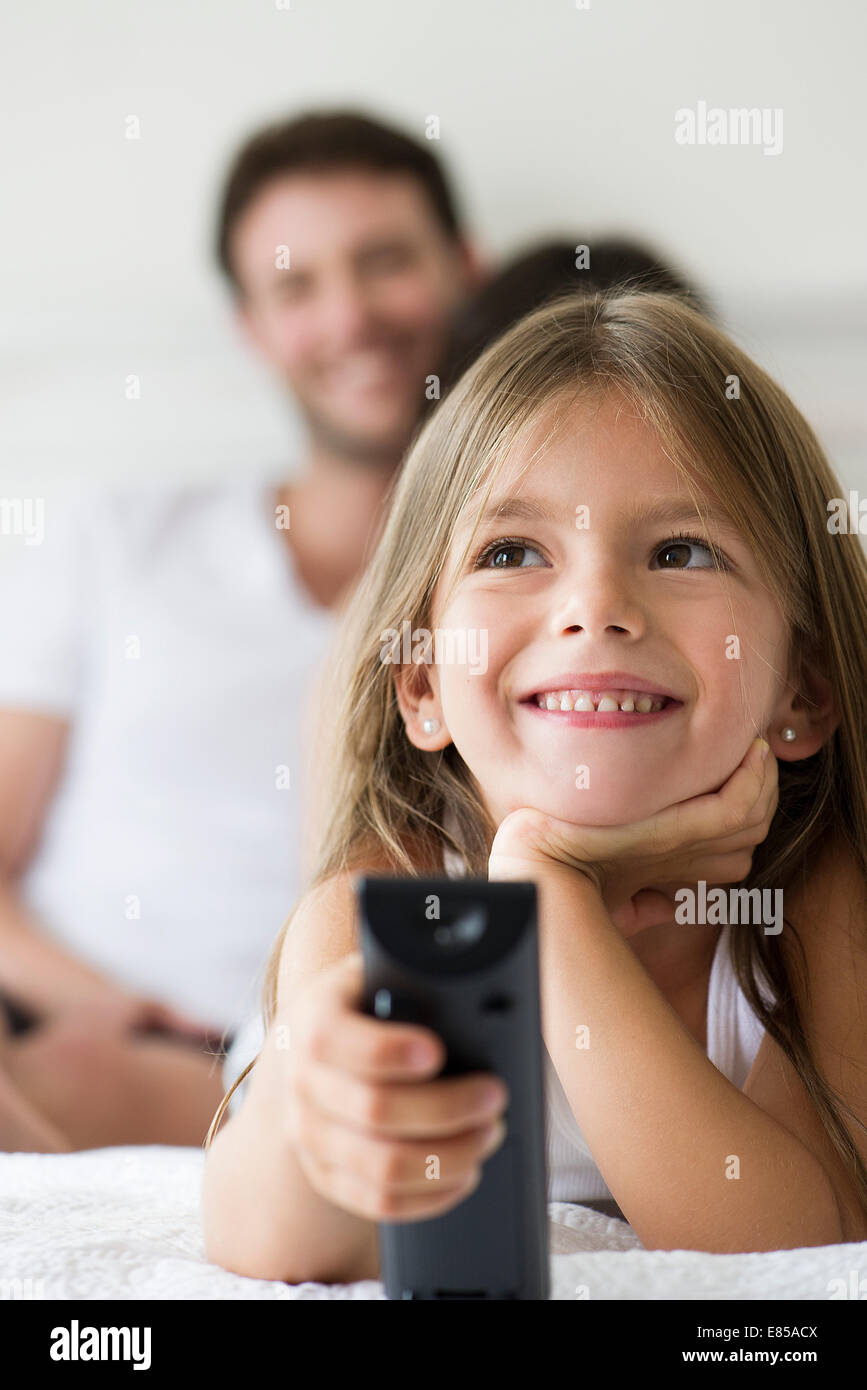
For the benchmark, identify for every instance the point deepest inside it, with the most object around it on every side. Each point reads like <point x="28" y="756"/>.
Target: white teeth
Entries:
<point x="628" y="702"/>
<point x="365" y="368"/>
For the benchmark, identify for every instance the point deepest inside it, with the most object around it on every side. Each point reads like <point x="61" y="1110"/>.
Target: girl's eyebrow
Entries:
<point x="674" y="509"/>
<point x="530" y="508"/>
<point x="664" y="509"/>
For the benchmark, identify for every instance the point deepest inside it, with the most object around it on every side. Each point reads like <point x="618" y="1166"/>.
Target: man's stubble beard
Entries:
<point x="360" y="449"/>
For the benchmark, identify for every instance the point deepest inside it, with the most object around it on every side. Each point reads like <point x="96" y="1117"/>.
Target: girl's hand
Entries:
<point x="371" y="1129"/>
<point x="637" y="868"/>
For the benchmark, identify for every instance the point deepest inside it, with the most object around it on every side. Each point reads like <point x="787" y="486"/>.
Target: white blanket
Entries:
<point x="124" y="1223"/>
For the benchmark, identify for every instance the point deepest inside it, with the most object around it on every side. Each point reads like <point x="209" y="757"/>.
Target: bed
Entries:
<point x="124" y="1223"/>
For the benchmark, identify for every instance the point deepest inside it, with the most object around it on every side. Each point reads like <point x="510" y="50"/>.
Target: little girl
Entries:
<point x="628" y="519"/>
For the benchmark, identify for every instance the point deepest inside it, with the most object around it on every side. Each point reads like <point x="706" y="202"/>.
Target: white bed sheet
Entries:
<point x="125" y="1223"/>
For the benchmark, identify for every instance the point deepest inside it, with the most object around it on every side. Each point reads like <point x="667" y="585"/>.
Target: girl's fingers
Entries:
<point x="750" y="787"/>
<point x="708" y="818"/>
<point x="769" y="797"/>
<point x="406" y="1166"/>
<point x="336" y="1034"/>
<point x="756" y="823"/>
<point x="351" y="1193"/>
<point x="373" y="1135"/>
<point x="433" y="1108"/>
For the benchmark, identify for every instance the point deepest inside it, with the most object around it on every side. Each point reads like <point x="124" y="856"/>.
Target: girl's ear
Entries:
<point x="811" y="713"/>
<point x="420" y="707"/>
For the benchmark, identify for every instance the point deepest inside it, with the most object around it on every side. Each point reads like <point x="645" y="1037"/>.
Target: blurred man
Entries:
<point x="158" y="651"/>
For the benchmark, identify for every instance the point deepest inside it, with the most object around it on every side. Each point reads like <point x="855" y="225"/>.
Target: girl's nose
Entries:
<point x="596" y="604"/>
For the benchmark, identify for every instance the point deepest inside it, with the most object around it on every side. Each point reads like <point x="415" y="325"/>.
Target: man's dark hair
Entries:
<point x="548" y="271"/>
<point x="326" y="140"/>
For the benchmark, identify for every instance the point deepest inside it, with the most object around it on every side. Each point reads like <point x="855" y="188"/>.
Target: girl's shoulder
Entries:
<point x="830" y="906"/>
<point x="324" y="926"/>
<point x="823" y="943"/>
<point x="827" y="969"/>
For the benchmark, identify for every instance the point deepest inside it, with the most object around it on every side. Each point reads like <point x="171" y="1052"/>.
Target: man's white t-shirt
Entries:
<point x="171" y="628"/>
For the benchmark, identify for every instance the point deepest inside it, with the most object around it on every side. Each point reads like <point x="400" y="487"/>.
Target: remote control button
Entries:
<point x="382" y="1003"/>
<point x="497" y="1004"/>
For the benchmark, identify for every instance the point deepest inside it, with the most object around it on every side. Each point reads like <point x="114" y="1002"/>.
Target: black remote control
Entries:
<point x="460" y="956"/>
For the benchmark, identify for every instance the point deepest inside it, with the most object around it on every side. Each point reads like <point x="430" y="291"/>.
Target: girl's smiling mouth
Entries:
<point x="602" y="704"/>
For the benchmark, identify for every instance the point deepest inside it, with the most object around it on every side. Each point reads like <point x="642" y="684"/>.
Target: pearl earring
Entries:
<point x="788" y="734"/>
<point x="430" y="726"/>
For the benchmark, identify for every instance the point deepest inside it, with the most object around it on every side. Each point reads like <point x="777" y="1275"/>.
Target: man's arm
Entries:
<point x="34" y="971"/>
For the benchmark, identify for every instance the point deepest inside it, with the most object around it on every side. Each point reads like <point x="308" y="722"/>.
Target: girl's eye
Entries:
<point x="676" y="550"/>
<point x="504" y="546"/>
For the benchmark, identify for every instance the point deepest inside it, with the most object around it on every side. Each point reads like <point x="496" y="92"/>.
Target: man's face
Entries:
<point x="357" y="320"/>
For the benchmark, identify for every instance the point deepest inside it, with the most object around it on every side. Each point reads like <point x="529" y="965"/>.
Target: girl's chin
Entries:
<point x="597" y="810"/>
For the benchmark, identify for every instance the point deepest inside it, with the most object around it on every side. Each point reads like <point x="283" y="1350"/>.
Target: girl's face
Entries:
<point x="583" y="584"/>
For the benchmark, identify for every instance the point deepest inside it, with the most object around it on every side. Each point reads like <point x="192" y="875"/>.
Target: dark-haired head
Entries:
<point x="324" y="142"/>
<point x="548" y="271"/>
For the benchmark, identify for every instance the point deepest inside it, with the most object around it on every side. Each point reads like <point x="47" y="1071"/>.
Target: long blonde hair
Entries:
<point x="756" y="450"/>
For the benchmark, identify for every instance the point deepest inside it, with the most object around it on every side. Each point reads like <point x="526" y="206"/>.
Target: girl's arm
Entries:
<point x="663" y="1124"/>
<point x="342" y="1114"/>
<point x="261" y="1216"/>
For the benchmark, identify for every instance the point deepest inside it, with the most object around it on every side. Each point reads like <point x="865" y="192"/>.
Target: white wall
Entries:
<point x="552" y="118"/>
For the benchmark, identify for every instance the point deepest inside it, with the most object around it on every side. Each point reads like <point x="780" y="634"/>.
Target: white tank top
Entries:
<point x="733" y="1037"/>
